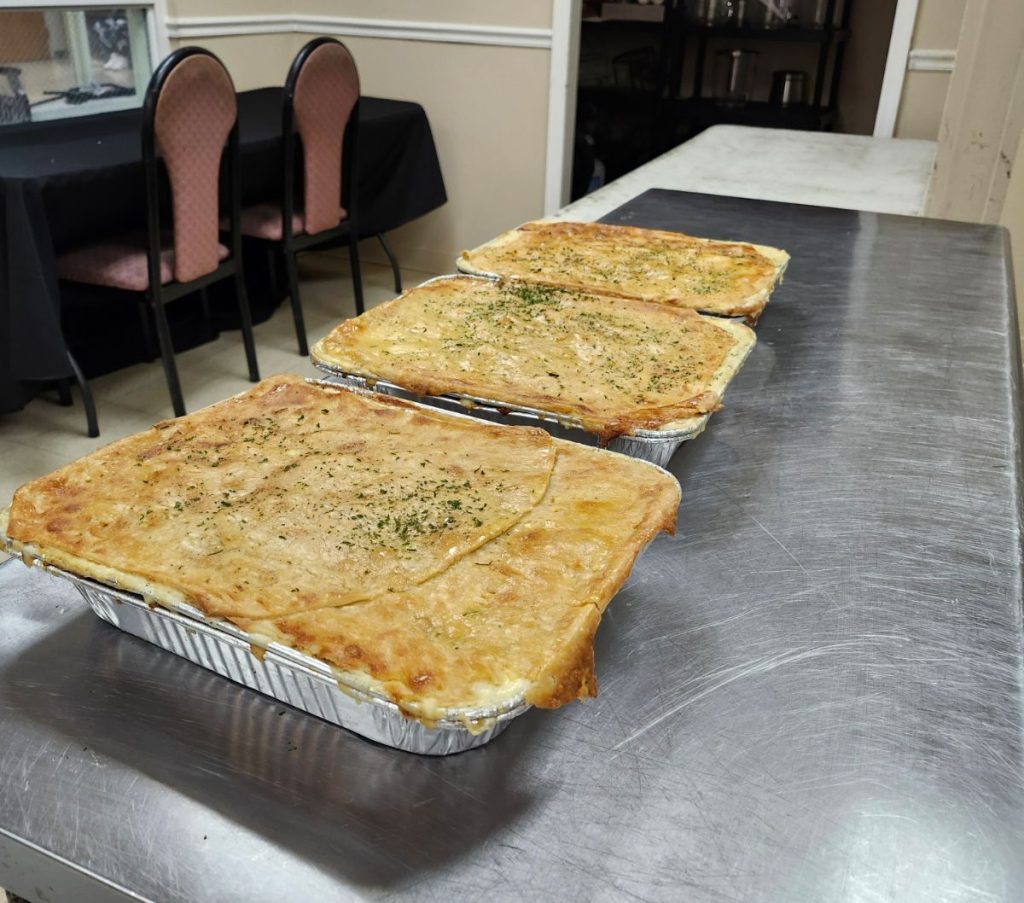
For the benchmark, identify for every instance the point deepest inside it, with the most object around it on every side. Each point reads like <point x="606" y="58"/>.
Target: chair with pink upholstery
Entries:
<point x="189" y="114"/>
<point x="321" y="113"/>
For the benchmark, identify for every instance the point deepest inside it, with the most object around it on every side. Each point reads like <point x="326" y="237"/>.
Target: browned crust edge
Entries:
<point x="571" y="675"/>
<point x="750" y="309"/>
<point x="606" y="428"/>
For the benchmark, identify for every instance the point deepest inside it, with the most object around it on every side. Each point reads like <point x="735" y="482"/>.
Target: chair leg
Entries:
<point x="147" y="331"/>
<point x="272" y="273"/>
<point x="204" y="301"/>
<point x="395" y="271"/>
<point x="247" y="337"/>
<point x="357" y="277"/>
<point x="163" y="332"/>
<point x="64" y="393"/>
<point x="87" y="402"/>
<point x="293" y="291"/>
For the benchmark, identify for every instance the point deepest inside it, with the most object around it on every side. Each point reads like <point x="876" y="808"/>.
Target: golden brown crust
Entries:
<point x="516" y="617"/>
<point x="613" y="366"/>
<point x="725" y="278"/>
<point x="570" y="675"/>
<point x="510" y="618"/>
<point x="287" y="497"/>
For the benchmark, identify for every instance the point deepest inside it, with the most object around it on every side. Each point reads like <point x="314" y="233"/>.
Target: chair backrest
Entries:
<point x="320" y="94"/>
<point x="190" y="112"/>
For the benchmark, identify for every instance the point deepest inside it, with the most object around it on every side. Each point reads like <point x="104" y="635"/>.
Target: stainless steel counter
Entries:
<point x="811" y="693"/>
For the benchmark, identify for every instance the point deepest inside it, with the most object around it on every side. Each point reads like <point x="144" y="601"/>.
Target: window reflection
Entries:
<point x="71" y="62"/>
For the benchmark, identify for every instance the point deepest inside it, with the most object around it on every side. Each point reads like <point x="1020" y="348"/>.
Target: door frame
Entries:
<point x="566" y="16"/>
<point x="895" y="67"/>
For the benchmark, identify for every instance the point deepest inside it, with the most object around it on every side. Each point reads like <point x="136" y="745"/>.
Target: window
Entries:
<point x="57" y="62"/>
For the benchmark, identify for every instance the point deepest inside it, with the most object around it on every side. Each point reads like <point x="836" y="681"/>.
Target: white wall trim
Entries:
<point x="185" y="27"/>
<point x="895" y="68"/>
<point x="565" y="45"/>
<point x="931" y="60"/>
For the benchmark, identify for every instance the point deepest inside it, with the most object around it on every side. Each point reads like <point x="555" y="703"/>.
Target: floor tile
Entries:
<point x="23" y="463"/>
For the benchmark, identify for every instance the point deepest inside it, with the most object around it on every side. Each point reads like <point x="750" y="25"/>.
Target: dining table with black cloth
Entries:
<point x="67" y="183"/>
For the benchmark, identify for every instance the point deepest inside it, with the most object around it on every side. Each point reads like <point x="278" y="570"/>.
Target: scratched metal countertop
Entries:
<point x="811" y="693"/>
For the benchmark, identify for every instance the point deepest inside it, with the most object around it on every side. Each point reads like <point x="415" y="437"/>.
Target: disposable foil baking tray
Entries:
<point x="654" y="446"/>
<point x="282" y="673"/>
<point x="286" y="675"/>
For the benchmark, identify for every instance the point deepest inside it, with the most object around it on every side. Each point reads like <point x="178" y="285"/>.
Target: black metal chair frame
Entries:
<point x="64" y="394"/>
<point x="348" y="229"/>
<point x="158" y="295"/>
<point x="395" y="271"/>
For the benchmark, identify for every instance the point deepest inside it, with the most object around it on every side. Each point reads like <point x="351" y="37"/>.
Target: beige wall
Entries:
<point x="937" y="27"/>
<point x="983" y="116"/>
<point x="254" y="61"/>
<point x="488" y="111"/>
<point x="521" y="13"/>
<point x="487" y="105"/>
<point x="924" y="95"/>
<point x="190" y="8"/>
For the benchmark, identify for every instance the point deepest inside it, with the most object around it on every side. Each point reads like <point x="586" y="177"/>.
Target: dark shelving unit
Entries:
<point x="830" y="38"/>
<point x="671" y="105"/>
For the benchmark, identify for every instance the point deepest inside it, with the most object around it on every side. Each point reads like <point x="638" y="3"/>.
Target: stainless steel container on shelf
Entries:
<point x="789" y="88"/>
<point x="734" y="76"/>
<point x="814" y="13"/>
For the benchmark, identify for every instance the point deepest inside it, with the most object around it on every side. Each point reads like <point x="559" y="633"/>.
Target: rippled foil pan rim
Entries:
<point x="648" y="445"/>
<point x="657" y="452"/>
<point x="470" y="403"/>
<point x="213" y="644"/>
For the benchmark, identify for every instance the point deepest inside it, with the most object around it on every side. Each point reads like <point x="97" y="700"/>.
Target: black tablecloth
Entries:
<point x="64" y="183"/>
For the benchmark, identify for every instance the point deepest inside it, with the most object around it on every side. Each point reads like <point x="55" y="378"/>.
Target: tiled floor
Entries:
<point x="45" y="435"/>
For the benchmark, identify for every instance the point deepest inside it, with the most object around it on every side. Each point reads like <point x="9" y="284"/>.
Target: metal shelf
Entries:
<point x="706" y="111"/>
<point x="667" y="105"/>
<point x="789" y="34"/>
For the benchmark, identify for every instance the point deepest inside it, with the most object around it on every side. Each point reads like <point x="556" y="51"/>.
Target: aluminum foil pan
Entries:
<point x="654" y="446"/>
<point x="286" y="675"/>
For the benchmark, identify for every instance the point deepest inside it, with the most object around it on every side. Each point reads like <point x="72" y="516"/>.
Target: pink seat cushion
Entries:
<point x="265" y="221"/>
<point x="120" y="263"/>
